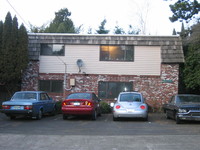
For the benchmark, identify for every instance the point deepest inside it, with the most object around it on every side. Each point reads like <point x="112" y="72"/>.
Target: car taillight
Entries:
<point x="88" y="103"/>
<point x="28" y="107"/>
<point x="143" y="107"/>
<point x="5" y="106"/>
<point x="117" y="107"/>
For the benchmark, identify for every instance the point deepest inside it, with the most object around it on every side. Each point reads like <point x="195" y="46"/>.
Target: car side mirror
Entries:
<point x="115" y="99"/>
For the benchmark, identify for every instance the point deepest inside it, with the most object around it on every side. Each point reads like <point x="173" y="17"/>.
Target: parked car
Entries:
<point x="130" y="105"/>
<point x="183" y="107"/>
<point x="29" y="103"/>
<point x="81" y="104"/>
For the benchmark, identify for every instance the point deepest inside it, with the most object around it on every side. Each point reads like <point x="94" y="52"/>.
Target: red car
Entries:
<point x="81" y="104"/>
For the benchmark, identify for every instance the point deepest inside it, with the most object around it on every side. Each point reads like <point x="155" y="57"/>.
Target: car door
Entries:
<point x="45" y="101"/>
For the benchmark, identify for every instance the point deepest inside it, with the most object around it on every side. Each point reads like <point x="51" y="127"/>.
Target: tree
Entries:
<point x="61" y="23"/>
<point x="13" y="53"/>
<point x="184" y="10"/>
<point x="132" y="30"/>
<point x="192" y="60"/>
<point x="118" y="30"/>
<point x="174" y="32"/>
<point x="102" y="29"/>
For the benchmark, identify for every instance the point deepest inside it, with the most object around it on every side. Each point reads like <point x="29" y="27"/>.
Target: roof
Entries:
<point x="171" y="46"/>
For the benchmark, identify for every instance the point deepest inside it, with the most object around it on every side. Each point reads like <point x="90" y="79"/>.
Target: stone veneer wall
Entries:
<point x="156" y="89"/>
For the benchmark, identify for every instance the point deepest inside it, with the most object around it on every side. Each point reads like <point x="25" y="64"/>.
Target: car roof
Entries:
<point x="187" y="95"/>
<point x="30" y="92"/>
<point x="129" y="92"/>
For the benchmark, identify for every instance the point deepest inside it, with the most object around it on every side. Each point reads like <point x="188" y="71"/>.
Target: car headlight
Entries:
<point x="182" y="110"/>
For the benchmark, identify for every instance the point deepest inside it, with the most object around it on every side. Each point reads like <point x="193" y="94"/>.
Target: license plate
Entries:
<point x="130" y="110"/>
<point x="17" y="107"/>
<point x="76" y="104"/>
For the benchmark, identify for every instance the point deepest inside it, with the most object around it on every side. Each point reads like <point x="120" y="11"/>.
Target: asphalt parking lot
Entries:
<point x="80" y="133"/>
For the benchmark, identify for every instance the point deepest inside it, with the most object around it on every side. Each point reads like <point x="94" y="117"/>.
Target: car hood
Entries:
<point x="20" y="102"/>
<point x="190" y="105"/>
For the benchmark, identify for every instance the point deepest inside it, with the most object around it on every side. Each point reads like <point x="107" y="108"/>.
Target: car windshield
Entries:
<point x="188" y="99"/>
<point x="79" y="96"/>
<point x="24" y="96"/>
<point x="130" y="97"/>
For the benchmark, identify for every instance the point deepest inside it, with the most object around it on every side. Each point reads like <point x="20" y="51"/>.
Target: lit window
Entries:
<point x="116" y="53"/>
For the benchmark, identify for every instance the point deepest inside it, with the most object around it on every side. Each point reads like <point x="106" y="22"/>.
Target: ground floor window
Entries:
<point x="54" y="86"/>
<point x="112" y="89"/>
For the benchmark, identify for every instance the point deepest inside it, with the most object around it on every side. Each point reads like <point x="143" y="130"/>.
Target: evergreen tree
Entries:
<point x="174" y="32"/>
<point x="118" y="30"/>
<point x="102" y="29"/>
<point x="61" y="23"/>
<point x="184" y="10"/>
<point x="13" y="53"/>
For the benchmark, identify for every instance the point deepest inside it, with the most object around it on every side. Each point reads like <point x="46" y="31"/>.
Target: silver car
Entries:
<point x="130" y="105"/>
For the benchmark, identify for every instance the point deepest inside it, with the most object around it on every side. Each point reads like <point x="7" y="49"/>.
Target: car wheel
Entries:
<point x="65" y="117"/>
<point x="166" y="115"/>
<point x="39" y="115"/>
<point x="12" y="117"/>
<point x="94" y="115"/>
<point x="146" y="118"/>
<point x="178" y="121"/>
<point x="115" y="118"/>
<point x="53" y="112"/>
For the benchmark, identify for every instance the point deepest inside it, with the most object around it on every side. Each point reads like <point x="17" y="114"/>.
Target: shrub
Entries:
<point x="105" y="107"/>
<point x="58" y="106"/>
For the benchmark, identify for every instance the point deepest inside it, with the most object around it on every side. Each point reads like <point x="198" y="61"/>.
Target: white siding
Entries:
<point x="147" y="61"/>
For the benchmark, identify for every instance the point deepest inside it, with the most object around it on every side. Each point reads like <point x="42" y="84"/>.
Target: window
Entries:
<point x="112" y="89"/>
<point x="52" y="49"/>
<point x="54" y="86"/>
<point x="44" y="96"/>
<point x="116" y="53"/>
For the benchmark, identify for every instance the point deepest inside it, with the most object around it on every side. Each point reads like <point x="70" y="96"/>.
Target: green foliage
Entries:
<point x="59" y="106"/>
<point x="102" y="29"/>
<point x="61" y="23"/>
<point x="105" y="107"/>
<point x="132" y="30"/>
<point x="118" y="30"/>
<point x="192" y="60"/>
<point x="13" y="53"/>
<point x="184" y="10"/>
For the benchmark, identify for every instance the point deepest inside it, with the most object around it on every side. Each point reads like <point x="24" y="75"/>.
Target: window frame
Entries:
<point x="52" y="52"/>
<point x="117" y="89"/>
<point x="125" y="54"/>
<point x="51" y="86"/>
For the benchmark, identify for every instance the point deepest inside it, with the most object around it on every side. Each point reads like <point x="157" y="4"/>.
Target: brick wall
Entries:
<point x="156" y="89"/>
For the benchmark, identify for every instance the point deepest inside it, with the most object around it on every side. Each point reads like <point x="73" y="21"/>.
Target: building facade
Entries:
<point x="104" y="64"/>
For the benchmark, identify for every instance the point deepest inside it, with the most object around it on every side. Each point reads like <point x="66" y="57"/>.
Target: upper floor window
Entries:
<point x="52" y="49"/>
<point x="117" y="53"/>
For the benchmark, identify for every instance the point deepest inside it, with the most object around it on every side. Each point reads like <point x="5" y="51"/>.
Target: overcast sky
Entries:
<point x="90" y="13"/>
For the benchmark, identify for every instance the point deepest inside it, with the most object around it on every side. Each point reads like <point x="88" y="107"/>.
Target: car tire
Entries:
<point x="115" y="118"/>
<point x="146" y="118"/>
<point x="94" y="115"/>
<point x="178" y="121"/>
<point x="39" y="115"/>
<point x="12" y="117"/>
<point x="166" y="115"/>
<point x="65" y="117"/>
<point x="53" y="113"/>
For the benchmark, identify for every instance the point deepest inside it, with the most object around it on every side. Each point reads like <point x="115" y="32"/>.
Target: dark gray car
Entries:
<point x="183" y="107"/>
